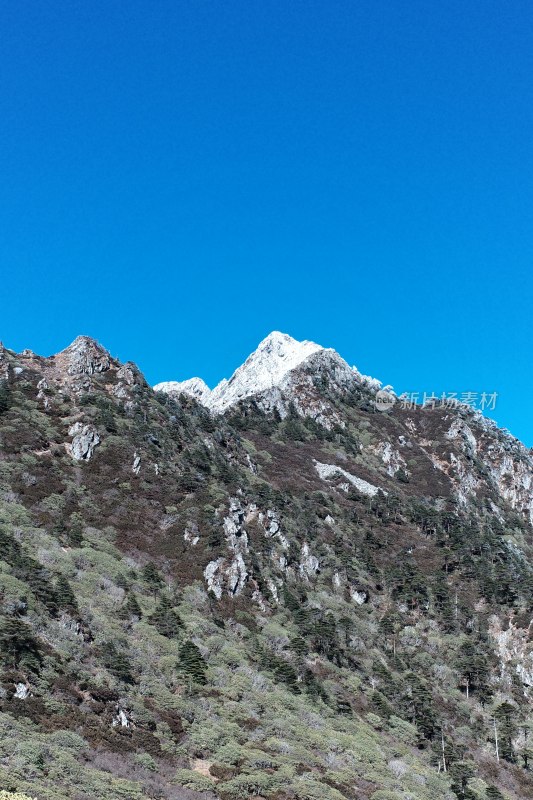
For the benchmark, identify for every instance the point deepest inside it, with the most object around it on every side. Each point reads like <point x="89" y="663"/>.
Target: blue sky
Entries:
<point x="180" y="178"/>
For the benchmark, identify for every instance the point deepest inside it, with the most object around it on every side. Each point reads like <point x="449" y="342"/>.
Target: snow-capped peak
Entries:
<point x="194" y="387"/>
<point x="265" y="368"/>
<point x="272" y="373"/>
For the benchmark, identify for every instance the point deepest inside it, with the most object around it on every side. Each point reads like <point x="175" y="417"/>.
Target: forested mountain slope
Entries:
<point x="272" y="589"/>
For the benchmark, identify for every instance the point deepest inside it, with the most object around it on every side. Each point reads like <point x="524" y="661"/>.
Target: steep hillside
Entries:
<point x="291" y="586"/>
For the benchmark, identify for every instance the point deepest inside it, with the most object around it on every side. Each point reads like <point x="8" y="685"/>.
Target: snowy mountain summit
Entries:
<point x="280" y="372"/>
<point x="264" y="370"/>
<point x="194" y="387"/>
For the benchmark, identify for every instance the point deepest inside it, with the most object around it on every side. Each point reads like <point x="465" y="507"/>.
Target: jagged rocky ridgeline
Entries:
<point x="286" y="376"/>
<point x="277" y="373"/>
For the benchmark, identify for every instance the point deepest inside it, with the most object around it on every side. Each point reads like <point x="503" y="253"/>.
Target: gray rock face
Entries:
<point x="85" y="357"/>
<point x="84" y="439"/>
<point x="121" y="720"/>
<point x="309" y="564"/>
<point x="230" y="573"/>
<point x="331" y="471"/>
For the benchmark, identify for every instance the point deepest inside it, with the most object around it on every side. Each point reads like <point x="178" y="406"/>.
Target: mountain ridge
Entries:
<point x="305" y="597"/>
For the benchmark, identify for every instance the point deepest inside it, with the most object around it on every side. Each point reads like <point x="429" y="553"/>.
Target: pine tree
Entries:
<point x="505" y="715"/>
<point x="389" y="625"/>
<point x="17" y="644"/>
<point x="75" y="531"/>
<point x="64" y="594"/>
<point x="116" y="661"/>
<point x="132" y="606"/>
<point x="285" y="673"/>
<point x="152" y="577"/>
<point x="492" y="793"/>
<point x="41" y="587"/>
<point x="192" y="662"/>
<point x="462" y="772"/>
<point x="419" y="702"/>
<point x="473" y="666"/>
<point x="443" y="603"/>
<point x="383" y="708"/>
<point x="5" y="397"/>
<point x="313" y="687"/>
<point x="165" y="619"/>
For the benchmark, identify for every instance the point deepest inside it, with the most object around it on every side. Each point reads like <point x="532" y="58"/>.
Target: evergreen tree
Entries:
<point x="462" y="772"/>
<point x="389" y="625"/>
<point x="443" y="604"/>
<point x="117" y="661"/>
<point x="505" y="715"/>
<point x="106" y="418"/>
<point x="39" y="583"/>
<point x="410" y="586"/>
<point x="151" y="576"/>
<point x="313" y="687"/>
<point x="383" y="708"/>
<point x="285" y="673"/>
<point x="5" y="397"/>
<point x="17" y="644"/>
<point x="165" y="619"/>
<point x="192" y="662"/>
<point x="492" y="793"/>
<point x="472" y="664"/>
<point x="75" y="531"/>
<point x="132" y="607"/>
<point x="420" y="707"/>
<point x="64" y="594"/>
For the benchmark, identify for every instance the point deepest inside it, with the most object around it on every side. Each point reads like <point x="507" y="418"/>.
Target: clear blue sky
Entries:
<point x="180" y="178"/>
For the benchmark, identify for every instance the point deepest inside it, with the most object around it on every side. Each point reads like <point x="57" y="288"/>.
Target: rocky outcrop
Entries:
<point x="121" y="719"/>
<point x="84" y="439"/>
<point x="309" y="564"/>
<point x="513" y="477"/>
<point x="22" y="691"/>
<point x="515" y="650"/>
<point x="330" y="471"/>
<point x="84" y="357"/>
<point x="230" y="573"/>
<point x="391" y="458"/>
